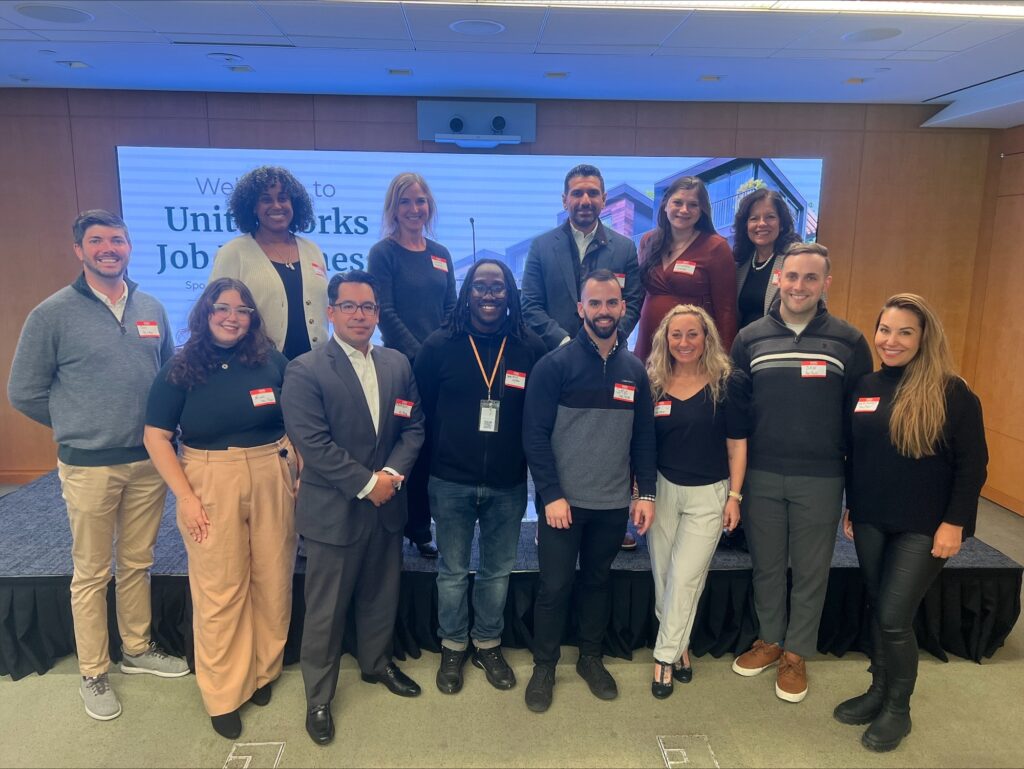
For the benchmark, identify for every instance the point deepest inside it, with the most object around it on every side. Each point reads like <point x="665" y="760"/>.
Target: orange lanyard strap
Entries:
<point x="489" y="381"/>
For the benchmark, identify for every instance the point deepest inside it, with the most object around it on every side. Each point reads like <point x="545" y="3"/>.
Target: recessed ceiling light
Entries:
<point x="46" y="52"/>
<point x="476" y="27"/>
<point x="556" y="75"/>
<point x="227" y="58"/>
<point x="55" y="14"/>
<point x="73" y="64"/>
<point x="399" y="72"/>
<point x="856" y="80"/>
<point x="710" y="78"/>
<point x="872" y="35"/>
<point x="240" y="68"/>
<point x="21" y="78"/>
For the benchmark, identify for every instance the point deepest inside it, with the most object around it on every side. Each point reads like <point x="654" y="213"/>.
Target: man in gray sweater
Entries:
<point x="84" y="364"/>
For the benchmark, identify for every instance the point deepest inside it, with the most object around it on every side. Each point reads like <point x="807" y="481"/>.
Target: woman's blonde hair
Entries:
<point x="397" y="188"/>
<point x="919" y="406"/>
<point x="714" y="362"/>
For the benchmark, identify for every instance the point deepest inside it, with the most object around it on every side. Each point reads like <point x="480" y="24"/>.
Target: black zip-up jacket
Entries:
<point x="588" y="423"/>
<point x="799" y="385"/>
<point x="451" y="388"/>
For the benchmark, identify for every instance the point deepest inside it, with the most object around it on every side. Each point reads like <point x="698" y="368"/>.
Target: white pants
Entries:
<point x="682" y="540"/>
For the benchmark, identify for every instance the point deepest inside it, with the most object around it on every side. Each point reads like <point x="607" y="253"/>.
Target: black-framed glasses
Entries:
<point x="224" y="310"/>
<point x="494" y="289"/>
<point x="349" y="308"/>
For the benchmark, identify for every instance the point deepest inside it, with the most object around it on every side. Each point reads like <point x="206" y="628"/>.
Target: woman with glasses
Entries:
<point x="234" y="487"/>
<point x="286" y="273"/>
<point x="685" y="261"/>
<point x="416" y="280"/>
<point x="762" y="230"/>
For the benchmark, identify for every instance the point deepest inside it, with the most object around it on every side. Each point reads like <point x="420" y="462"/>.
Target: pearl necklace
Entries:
<point x="765" y="263"/>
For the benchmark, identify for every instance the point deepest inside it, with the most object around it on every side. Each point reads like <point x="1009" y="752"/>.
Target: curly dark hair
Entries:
<point x="661" y="237"/>
<point x="242" y="203"/>
<point x="742" y="248"/>
<point x="199" y="355"/>
<point x="458" y="322"/>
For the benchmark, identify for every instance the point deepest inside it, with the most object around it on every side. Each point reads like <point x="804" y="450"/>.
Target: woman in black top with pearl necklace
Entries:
<point x="916" y="464"/>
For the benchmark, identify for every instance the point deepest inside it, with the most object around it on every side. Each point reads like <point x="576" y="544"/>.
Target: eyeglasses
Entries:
<point x="494" y="289"/>
<point x="349" y="308"/>
<point x="224" y="310"/>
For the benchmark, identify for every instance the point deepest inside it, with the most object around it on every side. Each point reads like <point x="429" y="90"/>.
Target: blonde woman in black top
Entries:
<point x="916" y="465"/>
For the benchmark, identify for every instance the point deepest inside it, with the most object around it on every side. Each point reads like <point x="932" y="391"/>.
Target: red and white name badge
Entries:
<point x="318" y="270"/>
<point x="624" y="392"/>
<point x="776" y="277"/>
<point x="148" y="329"/>
<point x="403" y="408"/>
<point x="621" y="277"/>
<point x="866" y="405"/>
<point x="663" y="409"/>
<point x="263" y="397"/>
<point x="439" y="263"/>
<point x="684" y="268"/>
<point x="813" y="369"/>
<point x="516" y="379"/>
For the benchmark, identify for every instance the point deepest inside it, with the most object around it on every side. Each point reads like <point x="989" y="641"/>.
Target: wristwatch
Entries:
<point x="736" y="495"/>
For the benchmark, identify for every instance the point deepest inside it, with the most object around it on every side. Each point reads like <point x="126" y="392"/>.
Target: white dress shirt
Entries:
<point x="115" y="307"/>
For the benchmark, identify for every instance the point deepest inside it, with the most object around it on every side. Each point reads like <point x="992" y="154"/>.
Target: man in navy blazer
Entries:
<point x="353" y="413"/>
<point x="561" y="257"/>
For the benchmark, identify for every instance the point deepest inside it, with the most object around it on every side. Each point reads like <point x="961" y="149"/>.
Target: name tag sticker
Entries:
<point x="263" y="397"/>
<point x="776" y="277"/>
<point x="663" y="408"/>
<point x="148" y="329"/>
<point x="621" y="277"/>
<point x="516" y="379"/>
<point x="318" y="270"/>
<point x="403" y="408"/>
<point x="439" y="263"/>
<point x="686" y="268"/>
<point x="866" y="405"/>
<point x="624" y="392"/>
<point x="813" y="369"/>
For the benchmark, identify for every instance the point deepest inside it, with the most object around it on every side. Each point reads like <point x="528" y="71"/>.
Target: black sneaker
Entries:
<point x="449" y="673"/>
<point x="600" y="681"/>
<point x="492" y="662"/>
<point x="540" y="689"/>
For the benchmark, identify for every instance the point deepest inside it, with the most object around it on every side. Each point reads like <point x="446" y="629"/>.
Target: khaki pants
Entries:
<point x="682" y="541"/>
<point x="241" y="574"/>
<point x="113" y="511"/>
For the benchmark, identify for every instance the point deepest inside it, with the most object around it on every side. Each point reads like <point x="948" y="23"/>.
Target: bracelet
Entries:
<point x="736" y="495"/>
<point x="646" y="497"/>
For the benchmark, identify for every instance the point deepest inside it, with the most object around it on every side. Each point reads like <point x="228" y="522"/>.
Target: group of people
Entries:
<point x="743" y="398"/>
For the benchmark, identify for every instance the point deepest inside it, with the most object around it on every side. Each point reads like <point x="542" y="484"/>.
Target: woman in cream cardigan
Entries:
<point x="286" y="273"/>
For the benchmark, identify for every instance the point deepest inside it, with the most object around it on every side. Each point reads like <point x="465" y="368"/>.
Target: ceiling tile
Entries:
<point x="744" y="30"/>
<point x="970" y="35"/>
<point x="431" y="22"/>
<point x="610" y="27"/>
<point x="106" y="15"/>
<point x="855" y="54"/>
<point x="723" y="53"/>
<point x="381" y="21"/>
<point x="212" y="17"/>
<point x="913" y="30"/>
<point x="351" y="43"/>
<point x="592" y="50"/>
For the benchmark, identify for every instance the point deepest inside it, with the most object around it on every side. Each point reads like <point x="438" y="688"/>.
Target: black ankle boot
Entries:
<point x="893" y="722"/>
<point x="864" y="708"/>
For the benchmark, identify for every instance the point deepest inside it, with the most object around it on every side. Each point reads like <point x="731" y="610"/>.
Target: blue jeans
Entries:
<point x="456" y="508"/>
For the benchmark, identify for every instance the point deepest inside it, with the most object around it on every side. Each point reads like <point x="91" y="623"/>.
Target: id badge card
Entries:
<point x="489" y="416"/>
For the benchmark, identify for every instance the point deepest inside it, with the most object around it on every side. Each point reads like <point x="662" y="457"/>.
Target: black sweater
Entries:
<point x="897" y="493"/>
<point x="451" y="388"/>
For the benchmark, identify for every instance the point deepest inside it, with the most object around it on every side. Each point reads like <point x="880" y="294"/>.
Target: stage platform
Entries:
<point x="968" y="612"/>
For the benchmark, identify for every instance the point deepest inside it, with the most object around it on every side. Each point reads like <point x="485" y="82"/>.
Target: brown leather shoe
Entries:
<point x="760" y="656"/>
<point x="791" y="680"/>
<point x="629" y="542"/>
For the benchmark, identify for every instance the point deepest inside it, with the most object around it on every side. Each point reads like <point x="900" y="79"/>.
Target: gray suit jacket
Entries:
<point x="327" y="420"/>
<point x="550" y="292"/>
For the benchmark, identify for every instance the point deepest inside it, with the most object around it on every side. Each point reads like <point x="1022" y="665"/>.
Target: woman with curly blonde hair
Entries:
<point x="916" y="464"/>
<point x="701" y="423"/>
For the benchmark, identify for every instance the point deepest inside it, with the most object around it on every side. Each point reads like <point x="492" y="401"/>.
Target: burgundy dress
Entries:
<point x="704" y="275"/>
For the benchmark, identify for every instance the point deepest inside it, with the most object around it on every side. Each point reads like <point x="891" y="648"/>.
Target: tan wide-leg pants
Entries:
<point x="241" y="574"/>
<point x="114" y="512"/>
<point x="682" y="540"/>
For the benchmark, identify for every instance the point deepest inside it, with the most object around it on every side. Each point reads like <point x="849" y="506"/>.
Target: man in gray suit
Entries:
<point x="560" y="258"/>
<point x="353" y="413"/>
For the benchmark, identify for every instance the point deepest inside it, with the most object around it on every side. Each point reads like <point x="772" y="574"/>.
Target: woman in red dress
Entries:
<point x="684" y="261"/>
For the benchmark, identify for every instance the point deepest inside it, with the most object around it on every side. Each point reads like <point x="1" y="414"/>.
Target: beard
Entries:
<point x="602" y="333"/>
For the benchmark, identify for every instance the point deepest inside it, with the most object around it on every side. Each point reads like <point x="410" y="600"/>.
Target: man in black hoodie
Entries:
<point x="802" y="362"/>
<point x="472" y="376"/>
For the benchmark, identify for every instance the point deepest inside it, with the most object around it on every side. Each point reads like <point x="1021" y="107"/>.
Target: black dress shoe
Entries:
<point x="492" y="662"/>
<point x="396" y="681"/>
<point x="661" y="686"/>
<point x="426" y="549"/>
<point x="449" y="673"/>
<point x="600" y="681"/>
<point x="541" y="688"/>
<point x="228" y="725"/>
<point x="319" y="724"/>
<point x="261" y="696"/>
<point x="683" y="673"/>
